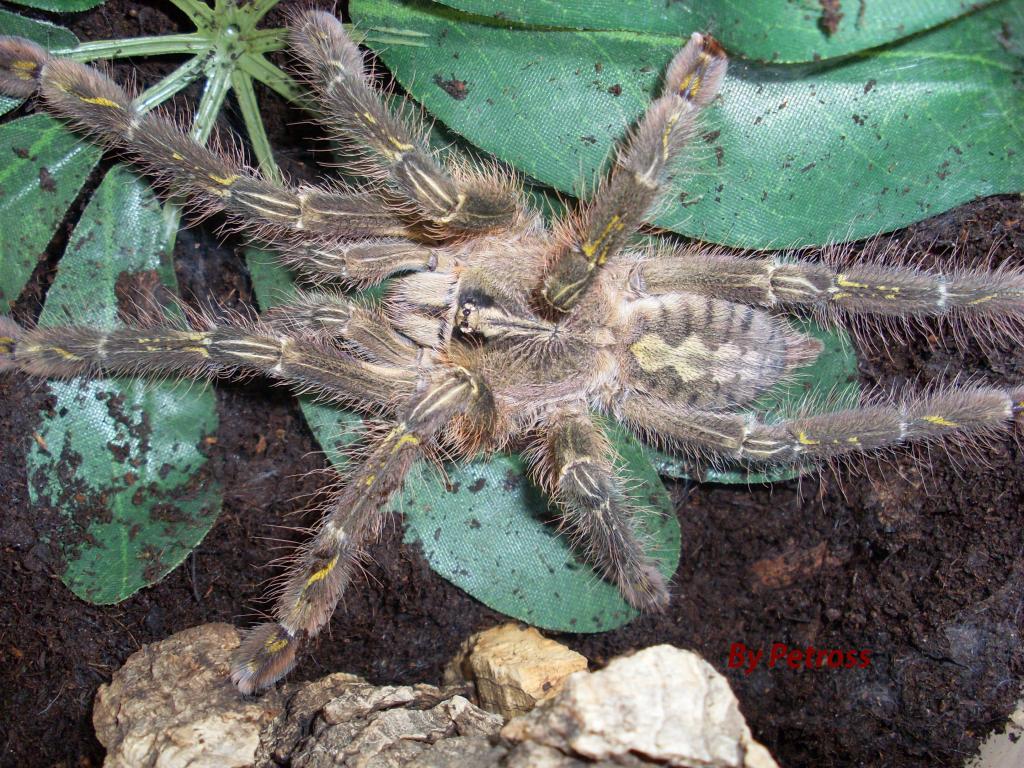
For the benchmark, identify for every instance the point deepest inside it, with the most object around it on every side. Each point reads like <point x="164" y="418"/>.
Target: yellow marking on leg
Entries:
<point x="939" y="421"/>
<point x="842" y="282"/>
<point x="273" y="645"/>
<point x="405" y="440"/>
<point x="369" y="118"/>
<point x="982" y="300"/>
<point x="99" y="101"/>
<point x="591" y="247"/>
<point x="225" y="181"/>
<point x="370" y="480"/>
<point x="400" y="145"/>
<point x="176" y="156"/>
<point x="669" y="125"/>
<point x="65" y="354"/>
<point x="322" y="574"/>
<point x="577" y="286"/>
<point x="24" y="70"/>
<point x="803" y="439"/>
<point x="691" y="86"/>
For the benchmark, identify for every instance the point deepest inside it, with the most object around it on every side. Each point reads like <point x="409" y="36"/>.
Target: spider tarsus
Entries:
<point x="267" y="653"/>
<point x="646" y="590"/>
<point x="21" y="62"/>
<point x="390" y="147"/>
<point x="621" y="203"/>
<point x="10" y="333"/>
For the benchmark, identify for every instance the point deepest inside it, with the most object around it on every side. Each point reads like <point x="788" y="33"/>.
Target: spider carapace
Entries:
<point x="497" y="329"/>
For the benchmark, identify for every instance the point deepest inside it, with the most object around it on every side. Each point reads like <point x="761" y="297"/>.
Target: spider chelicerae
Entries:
<point x="496" y="329"/>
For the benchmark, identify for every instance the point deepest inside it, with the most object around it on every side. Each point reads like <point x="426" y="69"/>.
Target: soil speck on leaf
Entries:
<point x="457" y="89"/>
<point x="831" y="15"/>
<point x="46" y="182"/>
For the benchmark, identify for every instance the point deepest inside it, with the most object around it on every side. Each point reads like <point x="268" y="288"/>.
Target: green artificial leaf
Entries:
<point x="43" y="168"/>
<point x="498" y="562"/>
<point x="763" y="31"/>
<point x="489" y="531"/>
<point x="120" y="458"/>
<point x="46" y="34"/>
<point x="43" y="32"/>
<point x="790" y="155"/>
<point x="830" y="384"/>
<point x="59" y="6"/>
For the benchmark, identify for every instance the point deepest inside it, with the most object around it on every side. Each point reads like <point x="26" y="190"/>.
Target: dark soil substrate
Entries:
<point x="921" y="563"/>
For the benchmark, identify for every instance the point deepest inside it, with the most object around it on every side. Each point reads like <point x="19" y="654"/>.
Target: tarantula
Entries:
<point x="496" y="329"/>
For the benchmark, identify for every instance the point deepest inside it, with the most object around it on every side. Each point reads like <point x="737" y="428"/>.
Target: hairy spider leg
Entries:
<point x="222" y="350"/>
<point x="361" y="263"/>
<point x="602" y="227"/>
<point x="357" y="327"/>
<point x="858" y="289"/>
<point x="211" y="181"/>
<point x="956" y="412"/>
<point x="391" y="150"/>
<point x="572" y="462"/>
<point x="323" y="568"/>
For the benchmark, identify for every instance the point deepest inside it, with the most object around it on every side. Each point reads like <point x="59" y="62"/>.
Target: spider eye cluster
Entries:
<point x="466" y="311"/>
<point x="472" y="304"/>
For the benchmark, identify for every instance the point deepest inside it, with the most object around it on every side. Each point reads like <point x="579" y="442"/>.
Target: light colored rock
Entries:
<point x="661" y="704"/>
<point x="513" y="668"/>
<point x="395" y="727"/>
<point x="1004" y="749"/>
<point x="172" y="705"/>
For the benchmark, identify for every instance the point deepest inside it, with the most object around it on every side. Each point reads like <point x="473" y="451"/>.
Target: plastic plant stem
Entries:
<point x="275" y="78"/>
<point x="199" y="12"/>
<point x="241" y="83"/>
<point x="187" y="73"/>
<point x="190" y="42"/>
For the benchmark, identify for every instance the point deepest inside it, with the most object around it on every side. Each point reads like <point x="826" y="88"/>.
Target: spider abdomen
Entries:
<point x="707" y="353"/>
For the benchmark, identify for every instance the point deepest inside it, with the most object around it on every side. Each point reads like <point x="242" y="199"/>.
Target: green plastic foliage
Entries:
<point x="830" y="384"/>
<point x="59" y="6"/>
<point x="43" y="32"/>
<point x="43" y="168"/>
<point x="777" y="31"/>
<point x="790" y="155"/>
<point x="490" y="532"/>
<point x="120" y="458"/>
